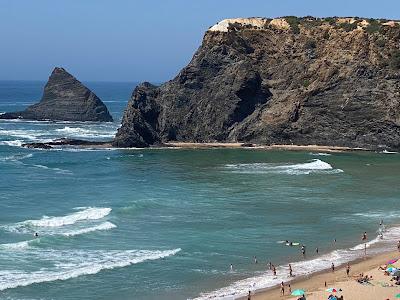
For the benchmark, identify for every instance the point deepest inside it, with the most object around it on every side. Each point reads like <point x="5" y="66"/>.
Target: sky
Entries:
<point x="135" y="40"/>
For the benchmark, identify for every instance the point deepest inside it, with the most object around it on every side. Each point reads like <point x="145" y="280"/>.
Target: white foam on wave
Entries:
<point x="320" y="154"/>
<point x="87" y="132"/>
<point x="14" y="143"/>
<point x="16" y="157"/>
<point x="102" y="226"/>
<point x="314" y="166"/>
<point x="301" y="268"/>
<point x="69" y="264"/>
<point x="90" y="213"/>
<point x="57" y="170"/>
<point x="15" y="246"/>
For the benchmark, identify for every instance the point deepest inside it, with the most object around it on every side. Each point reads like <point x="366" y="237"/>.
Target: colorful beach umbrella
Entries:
<point x="392" y="261"/>
<point x="391" y="269"/>
<point x="331" y="290"/>
<point x="298" y="293"/>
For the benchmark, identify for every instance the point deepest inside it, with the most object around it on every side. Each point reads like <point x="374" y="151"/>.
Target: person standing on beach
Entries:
<point x="282" y="288"/>
<point x="249" y="296"/>
<point x="290" y="270"/>
<point x="333" y="267"/>
<point x="364" y="239"/>
<point x="274" y="270"/>
<point x="290" y="289"/>
<point x="398" y="246"/>
<point x="348" y="269"/>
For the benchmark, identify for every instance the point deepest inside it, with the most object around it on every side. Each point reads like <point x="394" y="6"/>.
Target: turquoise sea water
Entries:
<point x="167" y="224"/>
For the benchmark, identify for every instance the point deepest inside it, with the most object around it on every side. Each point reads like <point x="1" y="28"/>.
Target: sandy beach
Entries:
<point x="265" y="147"/>
<point x="381" y="288"/>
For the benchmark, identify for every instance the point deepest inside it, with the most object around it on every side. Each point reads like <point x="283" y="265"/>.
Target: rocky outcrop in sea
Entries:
<point x="330" y="81"/>
<point x="64" y="99"/>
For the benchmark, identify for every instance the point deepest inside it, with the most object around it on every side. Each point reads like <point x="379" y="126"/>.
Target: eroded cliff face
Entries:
<point x="282" y="81"/>
<point x="64" y="99"/>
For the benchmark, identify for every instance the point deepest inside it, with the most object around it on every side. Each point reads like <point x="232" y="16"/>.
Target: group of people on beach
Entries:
<point x="364" y="239"/>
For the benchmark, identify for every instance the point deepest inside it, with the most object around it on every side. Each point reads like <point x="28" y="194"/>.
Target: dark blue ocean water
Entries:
<point x="167" y="224"/>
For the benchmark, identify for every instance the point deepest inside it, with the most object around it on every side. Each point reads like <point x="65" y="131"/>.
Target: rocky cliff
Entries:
<point x="65" y="99"/>
<point x="331" y="81"/>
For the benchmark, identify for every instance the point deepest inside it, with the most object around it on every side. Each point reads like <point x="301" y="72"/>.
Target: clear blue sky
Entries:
<point x="135" y="40"/>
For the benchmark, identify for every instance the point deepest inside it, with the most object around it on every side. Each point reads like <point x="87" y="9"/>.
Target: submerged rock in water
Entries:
<point x="64" y="99"/>
<point x="66" y="142"/>
<point x="305" y="81"/>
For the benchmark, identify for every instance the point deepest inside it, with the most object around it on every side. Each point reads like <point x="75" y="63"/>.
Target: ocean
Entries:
<point x="168" y="223"/>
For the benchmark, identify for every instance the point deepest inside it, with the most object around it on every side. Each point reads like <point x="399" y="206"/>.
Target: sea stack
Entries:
<point x="304" y="81"/>
<point x="64" y="99"/>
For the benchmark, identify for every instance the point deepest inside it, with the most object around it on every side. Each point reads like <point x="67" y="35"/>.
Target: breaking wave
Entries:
<point x="314" y="166"/>
<point x="102" y="226"/>
<point x="67" y="264"/>
<point x="90" y="213"/>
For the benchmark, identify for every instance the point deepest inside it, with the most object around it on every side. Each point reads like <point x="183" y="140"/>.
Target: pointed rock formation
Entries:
<point x="64" y="99"/>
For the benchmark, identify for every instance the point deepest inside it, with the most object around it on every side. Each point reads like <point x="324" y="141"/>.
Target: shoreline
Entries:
<point x="85" y="144"/>
<point x="314" y="284"/>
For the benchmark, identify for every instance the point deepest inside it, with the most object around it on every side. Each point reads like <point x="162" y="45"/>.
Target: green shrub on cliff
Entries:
<point x="310" y="44"/>
<point x="348" y="26"/>
<point x="374" y="26"/>
<point x="395" y="59"/>
<point x="294" y="23"/>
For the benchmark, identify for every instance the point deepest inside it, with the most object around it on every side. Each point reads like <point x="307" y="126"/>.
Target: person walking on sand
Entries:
<point x="348" y="269"/>
<point x="290" y="271"/>
<point x="282" y="288"/>
<point x="333" y="267"/>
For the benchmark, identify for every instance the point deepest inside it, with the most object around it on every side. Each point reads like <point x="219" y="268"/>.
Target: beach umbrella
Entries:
<point x="397" y="296"/>
<point x="331" y="290"/>
<point x="298" y="293"/>
<point x="389" y="266"/>
<point x="392" y="261"/>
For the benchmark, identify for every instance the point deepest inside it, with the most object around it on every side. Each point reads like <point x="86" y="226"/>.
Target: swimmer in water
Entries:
<point x="36" y="234"/>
